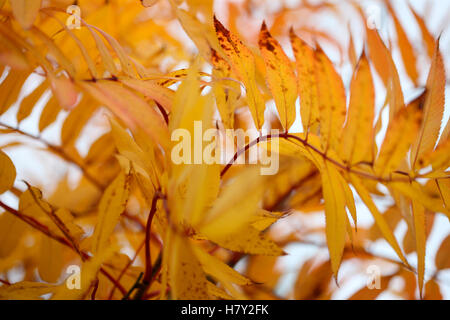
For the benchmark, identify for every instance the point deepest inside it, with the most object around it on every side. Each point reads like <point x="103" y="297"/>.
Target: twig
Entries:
<point x="305" y="143"/>
<point x="45" y="230"/>
<point x="60" y="152"/>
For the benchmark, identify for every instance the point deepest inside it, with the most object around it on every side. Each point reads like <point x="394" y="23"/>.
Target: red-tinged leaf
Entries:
<point x="141" y="115"/>
<point x="65" y="91"/>
<point x="243" y="65"/>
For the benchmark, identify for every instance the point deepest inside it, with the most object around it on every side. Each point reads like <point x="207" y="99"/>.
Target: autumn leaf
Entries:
<point x="243" y="65"/>
<point x="406" y="47"/>
<point x="162" y="154"/>
<point x="385" y="66"/>
<point x="332" y="102"/>
<point x="7" y="172"/>
<point x="433" y="108"/>
<point x="280" y="77"/>
<point x="189" y="281"/>
<point x="442" y="261"/>
<point x="111" y="206"/>
<point x="26" y="11"/>
<point x="307" y="81"/>
<point x="359" y="126"/>
<point x="419" y="225"/>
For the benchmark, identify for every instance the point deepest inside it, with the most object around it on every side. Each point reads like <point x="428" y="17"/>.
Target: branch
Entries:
<point x="125" y="269"/>
<point x="150" y="271"/>
<point x="305" y="143"/>
<point x="45" y="230"/>
<point x="60" y="152"/>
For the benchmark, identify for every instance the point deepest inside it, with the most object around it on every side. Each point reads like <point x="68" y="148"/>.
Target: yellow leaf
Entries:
<point x="7" y="172"/>
<point x="11" y="55"/>
<point x="384" y="64"/>
<point x="77" y="119"/>
<point x="26" y="11"/>
<point x="125" y="61"/>
<point x="88" y="274"/>
<point x="128" y="148"/>
<point x="202" y="189"/>
<point x="50" y="259"/>
<point x="421" y="239"/>
<point x="235" y="207"/>
<point x="118" y="99"/>
<point x="368" y="293"/>
<point x="151" y="90"/>
<point x="217" y="292"/>
<point x="332" y="102"/>
<point x="25" y="290"/>
<point x="49" y="113"/>
<point x="219" y="270"/>
<point x="405" y="46"/>
<point x="307" y="82"/>
<point x="416" y="193"/>
<point x="55" y="51"/>
<point x="279" y="76"/>
<point x="62" y="222"/>
<point x="335" y="215"/>
<point x="11" y="231"/>
<point x="432" y="291"/>
<point x="249" y="241"/>
<point x="349" y="202"/>
<point x="378" y="217"/>
<point x="64" y="90"/>
<point x="10" y="89"/>
<point x="202" y="34"/>
<point x="358" y="135"/>
<point x="264" y="219"/>
<point x="186" y="277"/>
<point x="438" y="159"/>
<point x="243" y="65"/>
<point x="396" y="143"/>
<point x="148" y="3"/>
<point x="426" y="35"/>
<point x="107" y="59"/>
<point x="65" y="221"/>
<point x="433" y="110"/>
<point x="226" y="91"/>
<point x="112" y="205"/>
<point x="29" y="102"/>
<point x="442" y="259"/>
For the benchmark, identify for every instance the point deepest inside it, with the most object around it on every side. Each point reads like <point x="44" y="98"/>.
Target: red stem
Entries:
<point x="148" y="227"/>
<point x="42" y="228"/>
<point x="305" y="143"/>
